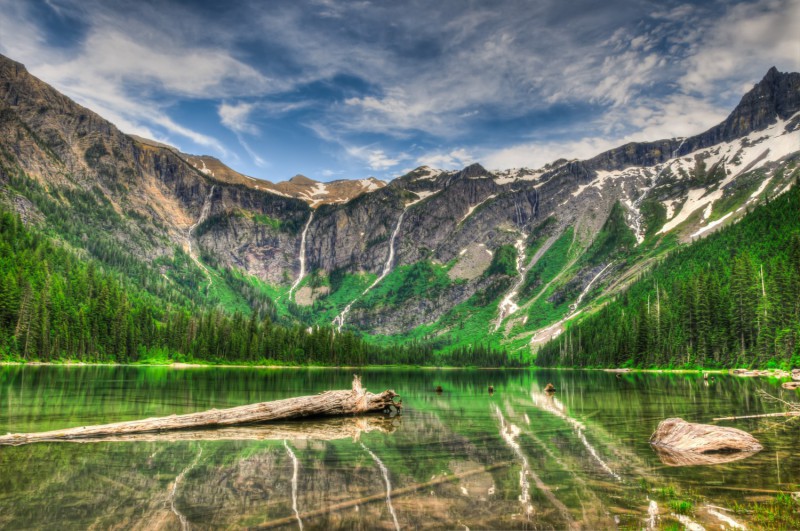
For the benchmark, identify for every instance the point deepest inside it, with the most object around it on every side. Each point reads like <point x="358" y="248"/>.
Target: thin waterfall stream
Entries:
<point x="302" y="256"/>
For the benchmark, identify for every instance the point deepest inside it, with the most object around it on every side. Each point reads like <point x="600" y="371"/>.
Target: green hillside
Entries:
<point x="729" y="300"/>
<point x="58" y="305"/>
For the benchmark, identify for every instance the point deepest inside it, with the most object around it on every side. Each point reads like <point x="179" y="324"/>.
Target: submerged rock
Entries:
<point x="681" y="443"/>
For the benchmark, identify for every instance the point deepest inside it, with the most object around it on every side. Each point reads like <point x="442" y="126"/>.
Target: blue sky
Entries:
<point x="335" y="89"/>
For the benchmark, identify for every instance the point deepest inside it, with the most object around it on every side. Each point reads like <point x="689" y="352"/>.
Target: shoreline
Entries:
<point x="741" y="373"/>
<point x="182" y="365"/>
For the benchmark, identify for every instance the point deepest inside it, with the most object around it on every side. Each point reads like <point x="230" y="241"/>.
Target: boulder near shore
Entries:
<point x="687" y="443"/>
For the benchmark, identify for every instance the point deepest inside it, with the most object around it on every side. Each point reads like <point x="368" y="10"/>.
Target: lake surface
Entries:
<point x="516" y="459"/>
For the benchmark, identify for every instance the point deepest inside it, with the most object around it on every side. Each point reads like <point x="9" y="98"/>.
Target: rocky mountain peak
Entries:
<point x="776" y="96"/>
<point x="302" y="180"/>
<point x="472" y="171"/>
<point x="11" y="68"/>
<point x="772" y="73"/>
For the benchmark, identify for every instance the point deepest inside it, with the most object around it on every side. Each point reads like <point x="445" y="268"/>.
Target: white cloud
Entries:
<point x="129" y="81"/>
<point x="454" y="159"/>
<point x="191" y="71"/>
<point x="537" y="154"/>
<point x="675" y="116"/>
<point x="235" y="116"/>
<point x="642" y="75"/>
<point x="744" y="43"/>
<point x="376" y="159"/>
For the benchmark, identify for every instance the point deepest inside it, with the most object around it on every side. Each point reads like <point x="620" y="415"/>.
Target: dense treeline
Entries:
<point x="732" y="299"/>
<point x="56" y="306"/>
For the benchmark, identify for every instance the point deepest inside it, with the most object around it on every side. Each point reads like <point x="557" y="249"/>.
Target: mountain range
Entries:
<point x="446" y="258"/>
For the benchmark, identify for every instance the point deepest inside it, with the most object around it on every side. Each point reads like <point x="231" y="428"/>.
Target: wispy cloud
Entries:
<point x="453" y="159"/>
<point x="741" y="42"/>
<point x="235" y="117"/>
<point x="128" y="80"/>
<point x="376" y="159"/>
<point x="501" y="82"/>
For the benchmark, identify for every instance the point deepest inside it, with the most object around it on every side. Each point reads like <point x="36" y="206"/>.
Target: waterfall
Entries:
<point x="203" y="213"/>
<point x="574" y="305"/>
<point x="508" y="305"/>
<point x="385" y="473"/>
<point x="302" y="256"/>
<point x="338" y="322"/>
<point x="203" y="216"/>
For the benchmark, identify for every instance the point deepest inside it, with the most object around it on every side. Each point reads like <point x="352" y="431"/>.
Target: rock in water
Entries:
<point x="686" y="443"/>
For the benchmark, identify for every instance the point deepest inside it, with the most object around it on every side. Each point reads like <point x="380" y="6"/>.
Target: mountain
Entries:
<point x="444" y="258"/>
<point x="313" y="192"/>
<point x="730" y="300"/>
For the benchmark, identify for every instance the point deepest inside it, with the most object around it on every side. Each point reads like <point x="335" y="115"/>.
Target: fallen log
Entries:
<point x="330" y="403"/>
<point x="686" y="443"/>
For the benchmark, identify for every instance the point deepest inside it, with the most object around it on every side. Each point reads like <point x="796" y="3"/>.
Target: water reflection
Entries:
<point x="514" y="459"/>
<point x="385" y="474"/>
<point x="509" y="432"/>
<point x="322" y="429"/>
<point x="175" y="484"/>
<point x="549" y="403"/>
<point x="673" y="458"/>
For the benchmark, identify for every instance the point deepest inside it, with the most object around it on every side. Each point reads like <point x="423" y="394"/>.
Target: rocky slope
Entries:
<point x="314" y="193"/>
<point x="450" y="256"/>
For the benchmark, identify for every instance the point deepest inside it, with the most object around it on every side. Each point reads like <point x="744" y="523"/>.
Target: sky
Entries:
<point x="349" y="89"/>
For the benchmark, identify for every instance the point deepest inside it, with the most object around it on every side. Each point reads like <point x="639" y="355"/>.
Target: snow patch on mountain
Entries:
<point x="205" y="169"/>
<point x="670" y="206"/>
<point x="427" y="173"/>
<point x="696" y="199"/>
<point x="472" y="208"/>
<point x="712" y="225"/>
<point x="512" y="175"/>
<point x="422" y="195"/>
<point x="369" y="185"/>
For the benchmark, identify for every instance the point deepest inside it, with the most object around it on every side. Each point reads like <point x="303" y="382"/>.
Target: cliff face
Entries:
<point x="60" y="144"/>
<point x="456" y="221"/>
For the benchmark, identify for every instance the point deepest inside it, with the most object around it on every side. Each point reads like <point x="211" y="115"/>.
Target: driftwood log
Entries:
<point x="685" y="443"/>
<point x="330" y="403"/>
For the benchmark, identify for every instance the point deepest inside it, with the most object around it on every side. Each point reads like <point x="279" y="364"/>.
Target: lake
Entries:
<point x="462" y="458"/>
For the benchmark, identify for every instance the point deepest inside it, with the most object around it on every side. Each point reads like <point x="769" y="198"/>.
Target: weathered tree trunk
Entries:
<point x="329" y="403"/>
